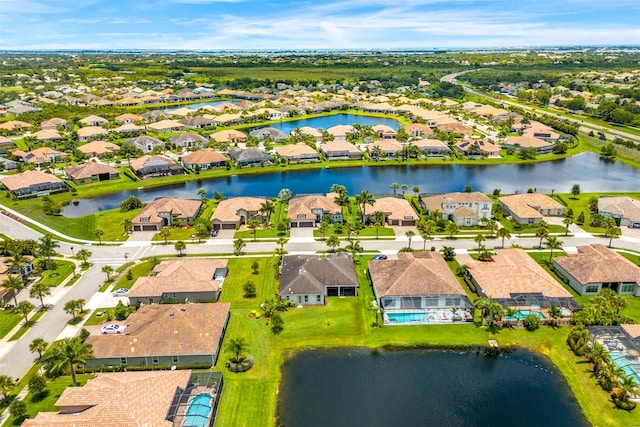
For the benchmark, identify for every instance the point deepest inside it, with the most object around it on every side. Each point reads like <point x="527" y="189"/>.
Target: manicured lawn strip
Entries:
<point x="95" y="320"/>
<point x="137" y="270"/>
<point x="24" y="328"/>
<point x="64" y="270"/>
<point x="581" y="204"/>
<point x="240" y="272"/>
<point x="8" y="321"/>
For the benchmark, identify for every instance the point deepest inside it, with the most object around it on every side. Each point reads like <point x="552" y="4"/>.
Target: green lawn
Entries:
<point x="581" y="204"/>
<point x="8" y="321"/>
<point x="137" y="270"/>
<point x="25" y="327"/>
<point x="57" y="276"/>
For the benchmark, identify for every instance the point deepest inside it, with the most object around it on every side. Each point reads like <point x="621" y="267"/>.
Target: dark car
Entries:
<point x="214" y="233"/>
<point x="377" y="257"/>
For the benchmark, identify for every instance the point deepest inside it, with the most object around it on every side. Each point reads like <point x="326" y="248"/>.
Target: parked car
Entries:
<point x="113" y="329"/>
<point x="122" y="292"/>
<point x="377" y="257"/>
<point x="214" y="233"/>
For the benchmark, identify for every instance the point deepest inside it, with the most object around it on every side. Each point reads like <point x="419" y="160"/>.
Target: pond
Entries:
<point x="593" y="173"/>
<point x="361" y="387"/>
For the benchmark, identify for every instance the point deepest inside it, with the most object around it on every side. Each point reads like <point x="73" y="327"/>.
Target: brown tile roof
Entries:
<point x="426" y="130"/>
<point x="341" y="130"/>
<point x="430" y="143"/>
<point x="227" y="210"/>
<point x="91" y="131"/>
<point x="435" y="202"/>
<point x="339" y="146"/>
<point x="116" y="399"/>
<point x="304" y="204"/>
<point x="228" y="136"/>
<point x="513" y="271"/>
<point x="41" y="154"/>
<point x="99" y="147"/>
<point x="15" y="124"/>
<point x="624" y="206"/>
<point x="200" y="157"/>
<point x="47" y="134"/>
<point x="28" y="178"/>
<point x="395" y="208"/>
<point x="528" y="141"/>
<point x="129" y="116"/>
<point x="53" y="123"/>
<point x="128" y="127"/>
<point x="455" y="128"/>
<point x="464" y="212"/>
<point x="185" y="275"/>
<point x="180" y="208"/>
<point x="527" y="205"/>
<point x="386" y="145"/>
<point x="166" y="330"/>
<point x="632" y="330"/>
<point x="412" y="274"/>
<point x="88" y="170"/>
<point x="468" y="145"/>
<point x="294" y="150"/>
<point x="93" y="119"/>
<point x="165" y="124"/>
<point x="599" y="264"/>
<point x="141" y="162"/>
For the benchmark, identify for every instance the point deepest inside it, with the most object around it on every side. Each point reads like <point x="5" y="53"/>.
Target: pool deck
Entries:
<point x="434" y="316"/>
<point x="182" y="411"/>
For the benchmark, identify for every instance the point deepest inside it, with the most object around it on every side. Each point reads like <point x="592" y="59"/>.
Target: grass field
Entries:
<point x="137" y="270"/>
<point x="8" y="321"/>
<point x="57" y="276"/>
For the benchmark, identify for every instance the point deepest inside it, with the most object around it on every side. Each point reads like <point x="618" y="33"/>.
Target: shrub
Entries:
<point x="121" y="311"/>
<point x="129" y="275"/>
<point x="131" y="203"/>
<point x="243" y="366"/>
<point x="277" y="324"/>
<point x="249" y="290"/>
<point x="18" y="409"/>
<point x="37" y="383"/>
<point x="531" y="322"/>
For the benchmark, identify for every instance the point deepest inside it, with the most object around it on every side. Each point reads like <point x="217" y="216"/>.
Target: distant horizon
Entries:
<point x="282" y="25"/>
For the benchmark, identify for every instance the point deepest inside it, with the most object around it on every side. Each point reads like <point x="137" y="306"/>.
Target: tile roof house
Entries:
<point x="33" y="184"/>
<point x="269" y="132"/>
<point x="597" y="267"/>
<point x="46" y="135"/>
<point x="165" y="126"/>
<point x="625" y="210"/>
<point x="340" y="150"/>
<point x="418" y="130"/>
<point x="188" y="139"/>
<point x="145" y="143"/>
<point x="387" y="147"/>
<point x="476" y="149"/>
<point x="129" y="118"/>
<point x="6" y="142"/>
<point x="340" y="132"/>
<point x="397" y="211"/>
<point x="7" y="268"/>
<point x="41" y="155"/>
<point x="91" y="132"/>
<point x="128" y="128"/>
<point x="93" y="121"/>
<point x="15" y="126"/>
<point x="205" y="159"/>
<point x="432" y="147"/>
<point x="465" y="209"/>
<point x="530" y="208"/>
<point x="250" y="156"/>
<point x="229" y="136"/>
<point x="384" y="131"/>
<point x="190" y="280"/>
<point x="116" y="399"/>
<point x="54" y="123"/>
<point x="306" y="211"/>
<point x="418" y="282"/>
<point x="455" y="128"/>
<point x="91" y="172"/>
<point x="166" y="211"/>
<point x="297" y="153"/>
<point x="308" y="130"/>
<point x="197" y="122"/>
<point x="155" y="166"/>
<point x="514" y="278"/>
<point x="308" y="279"/>
<point x="165" y="335"/>
<point x="98" y="148"/>
<point x="529" y="141"/>
<point x="233" y="212"/>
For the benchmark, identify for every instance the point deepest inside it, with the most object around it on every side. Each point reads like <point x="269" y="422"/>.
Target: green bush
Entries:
<point x="37" y="383"/>
<point x="531" y="322"/>
<point x="249" y="290"/>
<point x="18" y="409"/>
<point x="121" y="312"/>
<point x="243" y="366"/>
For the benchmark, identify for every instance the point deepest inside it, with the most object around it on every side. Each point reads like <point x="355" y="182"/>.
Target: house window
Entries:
<point x="318" y="298"/>
<point x="306" y="298"/>
<point x="627" y="288"/>
<point x="591" y="289"/>
<point x="174" y="359"/>
<point x="123" y="360"/>
<point x="449" y="302"/>
<point x="155" y="360"/>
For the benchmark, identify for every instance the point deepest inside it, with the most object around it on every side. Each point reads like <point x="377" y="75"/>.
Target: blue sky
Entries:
<point x="306" y="24"/>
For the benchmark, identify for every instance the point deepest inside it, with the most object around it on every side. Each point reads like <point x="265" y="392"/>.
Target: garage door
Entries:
<point x="409" y="222"/>
<point x="228" y="226"/>
<point x="293" y="225"/>
<point x="305" y="224"/>
<point x="149" y="228"/>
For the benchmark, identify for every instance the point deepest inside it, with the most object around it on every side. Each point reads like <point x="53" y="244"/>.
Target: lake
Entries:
<point x="358" y="387"/>
<point x="593" y="173"/>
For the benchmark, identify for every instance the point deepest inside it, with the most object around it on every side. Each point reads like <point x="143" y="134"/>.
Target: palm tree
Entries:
<point x="555" y="313"/>
<point x="164" y="233"/>
<point x="355" y="248"/>
<point x="24" y="308"/>
<point x="482" y="304"/>
<point x="202" y="193"/>
<point x="281" y="242"/>
<point x="503" y="233"/>
<point x="342" y="200"/>
<point x="542" y="232"/>
<point x="99" y="232"/>
<point x="628" y="387"/>
<point x="409" y="235"/>
<point x="14" y="283"/>
<point x="404" y="188"/>
<point x="237" y="346"/>
<point x="72" y="307"/>
<point x="180" y="246"/>
<point x="266" y="209"/>
<point x="492" y="225"/>
<point x="394" y="187"/>
<point x="599" y="356"/>
<point x="495" y="311"/>
<point x="39" y="290"/>
<point x="238" y="245"/>
<point x="108" y="270"/>
<point x="479" y="239"/>
<point x="6" y="385"/>
<point x="253" y="224"/>
<point x="333" y="242"/>
<point x="127" y="224"/>
<point x="322" y="228"/>
<point x="66" y="356"/>
<point x="17" y="261"/>
<point x="84" y="255"/>
<point x="39" y="345"/>
<point x="363" y="199"/>
<point x="428" y="227"/>
<point x="567" y="222"/>
<point x="379" y="219"/>
<point x="510" y="314"/>
<point x="337" y="188"/>
<point x="416" y="190"/>
<point x="612" y="233"/>
<point x="46" y="246"/>
<point x="552" y="244"/>
<point x="451" y="228"/>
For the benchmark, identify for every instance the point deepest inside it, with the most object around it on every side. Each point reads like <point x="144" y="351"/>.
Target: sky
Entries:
<point x="307" y="24"/>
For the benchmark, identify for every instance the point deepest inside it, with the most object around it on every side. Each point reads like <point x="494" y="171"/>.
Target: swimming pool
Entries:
<point x="521" y="314"/>
<point x="416" y="316"/>
<point x="199" y="411"/>
<point x="628" y="364"/>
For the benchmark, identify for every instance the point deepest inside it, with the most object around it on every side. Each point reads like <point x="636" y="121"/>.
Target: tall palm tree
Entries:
<point x="17" y="261"/>
<point x="552" y="244"/>
<point x="342" y="200"/>
<point x="99" y="232"/>
<point x="482" y="304"/>
<point x="628" y="387"/>
<point x="409" y="235"/>
<point x="416" y="190"/>
<point x="39" y="345"/>
<point x="428" y="227"/>
<point x="24" y="308"/>
<point x="555" y="313"/>
<point x="333" y="242"/>
<point x="238" y="245"/>
<point x="6" y="385"/>
<point x="65" y="356"/>
<point x="479" y="239"/>
<point x="39" y="290"/>
<point x="14" y="283"/>
<point x="395" y="187"/>
<point x="322" y="229"/>
<point x="127" y="224"/>
<point x="495" y="312"/>
<point x="492" y="226"/>
<point x="451" y="228"/>
<point x="612" y="233"/>
<point x="354" y="248"/>
<point x="237" y="346"/>
<point x="567" y="222"/>
<point x="363" y="199"/>
<point x="47" y="245"/>
<point x="164" y="233"/>
<point x="404" y="188"/>
<point x="108" y="270"/>
<point x="253" y="225"/>
<point x="503" y="233"/>
<point x="266" y="209"/>
<point x="180" y="246"/>
<point x="84" y="255"/>
<point x="281" y="242"/>
<point x="379" y="219"/>
<point x="542" y="231"/>
<point x="510" y="314"/>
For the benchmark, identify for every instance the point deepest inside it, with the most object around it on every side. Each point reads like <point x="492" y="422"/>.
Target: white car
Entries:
<point x="122" y="292"/>
<point x="113" y="329"/>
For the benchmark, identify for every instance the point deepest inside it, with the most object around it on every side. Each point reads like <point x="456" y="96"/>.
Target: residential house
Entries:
<point x="47" y="135"/>
<point x="155" y="166"/>
<point x="455" y="128"/>
<point x="477" y="149"/>
<point x="91" y="132"/>
<point x="396" y="211"/>
<point x="418" y="287"/>
<point x="98" y="148"/>
<point x="306" y="211"/>
<point x="309" y="279"/>
<point x="229" y="136"/>
<point x="91" y="172"/>
<point x="340" y="150"/>
<point x="41" y="155"/>
<point x="541" y="131"/>
<point x="129" y="129"/>
<point x="515" y="279"/>
<point x="188" y="139"/>
<point x="529" y="141"/>
<point x="189" y="280"/>
<point x="54" y="123"/>
<point x="205" y="159"/>
<point x="94" y="121"/>
<point x="340" y="132"/>
<point x="197" y="122"/>
<point x="6" y="142"/>
<point x="418" y="130"/>
<point x="597" y="267"/>
<point x="432" y="147"/>
<point x="7" y="268"/>
<point x="384" y="148"/>
<point x="384" y="131"/>
<point x="165" y="126"/>
<point x="625" y="210"/>
<point x="309" y="131"/>
<point x="530" y="208"/>
<point x="23" y="109"/>
<point x="297" y="153"/>
<point x="250" y="157"/>
<point x="164" y="335"/>
<point x="232" y="213"/>
<point x="145" y="143"/>
<point x="166" y="211"/>
<point x="7" y="164"/>
<point x="129" y="118"/>
<point x="465" y="209"/>
<point x="33" y="184"/>
<point x="15" y="126"/>
<point x="269" y="133"/>
<point x="145" y="398"/>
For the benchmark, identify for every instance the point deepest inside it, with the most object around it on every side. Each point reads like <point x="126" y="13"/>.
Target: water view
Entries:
<point x="358" y="387"/>
<point x="589" y="170"/>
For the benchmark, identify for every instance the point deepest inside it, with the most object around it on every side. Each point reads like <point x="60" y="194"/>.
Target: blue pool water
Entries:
<point x="198" y="412"/>
<point x="325" y="122"/>
<point x="628" y="366"/>
<point x="408" y="317"/>
<point x="521" y="314"/>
